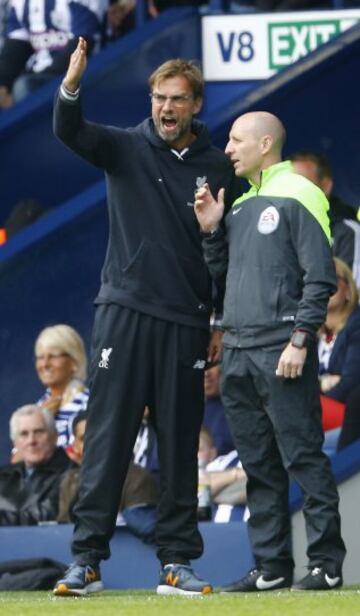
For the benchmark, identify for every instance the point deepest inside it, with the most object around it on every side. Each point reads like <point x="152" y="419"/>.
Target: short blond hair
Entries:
<point x="68" y="341"/>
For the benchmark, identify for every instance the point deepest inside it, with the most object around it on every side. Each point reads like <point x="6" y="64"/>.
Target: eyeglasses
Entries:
<point x="50" y="356"/>
<point x="178" y="100"/>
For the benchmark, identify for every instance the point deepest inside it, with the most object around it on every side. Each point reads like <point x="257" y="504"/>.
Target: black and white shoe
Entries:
<point x="318" y="579"/>
<point x="258" y="581"/>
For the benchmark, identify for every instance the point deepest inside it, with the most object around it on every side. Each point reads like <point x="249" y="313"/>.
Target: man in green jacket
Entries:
<point x="274" y="246"/>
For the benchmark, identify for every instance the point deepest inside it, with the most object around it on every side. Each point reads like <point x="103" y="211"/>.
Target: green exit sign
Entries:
<point x="290" y="41"/>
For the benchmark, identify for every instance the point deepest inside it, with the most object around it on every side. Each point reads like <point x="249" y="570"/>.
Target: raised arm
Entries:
<point x="77" y="67"/>
<point x="93" y="142"/>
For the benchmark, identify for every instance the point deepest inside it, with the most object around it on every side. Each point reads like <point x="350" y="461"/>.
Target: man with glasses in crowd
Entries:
<point x="150" y="339"/>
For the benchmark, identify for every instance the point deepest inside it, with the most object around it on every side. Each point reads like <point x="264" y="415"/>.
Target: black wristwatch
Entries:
<point x="299" y="338"/>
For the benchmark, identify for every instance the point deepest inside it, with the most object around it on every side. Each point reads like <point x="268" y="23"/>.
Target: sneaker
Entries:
<point x="79" y="580"/>
<point x="318" y="579"/>
<point x="257" y="580"/>
<point x="181" y="580"/>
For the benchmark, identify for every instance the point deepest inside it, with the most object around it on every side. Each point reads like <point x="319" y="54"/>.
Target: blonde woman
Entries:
<point x="339" y="347"/>
<point x="61" y="365"/>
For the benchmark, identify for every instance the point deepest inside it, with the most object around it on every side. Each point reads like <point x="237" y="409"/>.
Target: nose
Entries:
<point x="44" y="362"/>
<point x="168" y="104"/>
<point x="228" y="148"/>
<point x="31" y="438"/>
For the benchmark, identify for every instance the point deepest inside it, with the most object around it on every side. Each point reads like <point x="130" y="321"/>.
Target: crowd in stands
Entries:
<point x="41" y="482"/>
<point x="36" y="41"/>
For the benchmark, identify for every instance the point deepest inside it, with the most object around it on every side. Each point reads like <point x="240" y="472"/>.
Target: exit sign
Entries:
<point x="240" y="47"/>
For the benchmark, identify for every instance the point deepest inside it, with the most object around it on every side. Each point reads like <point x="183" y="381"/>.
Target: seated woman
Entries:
<point x="61" y="365"/>
<point x="339" y="348"/>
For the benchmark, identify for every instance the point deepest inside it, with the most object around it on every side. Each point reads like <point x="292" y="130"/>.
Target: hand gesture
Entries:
<point x="52" y="404"/>
<point x="208" y="211"/>
<point x="77" y="66"/>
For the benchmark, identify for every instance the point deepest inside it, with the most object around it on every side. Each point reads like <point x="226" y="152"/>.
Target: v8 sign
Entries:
<point x="241" y="47"/>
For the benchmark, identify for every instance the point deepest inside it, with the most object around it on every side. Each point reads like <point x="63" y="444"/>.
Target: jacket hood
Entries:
<point x="199" y="129"/>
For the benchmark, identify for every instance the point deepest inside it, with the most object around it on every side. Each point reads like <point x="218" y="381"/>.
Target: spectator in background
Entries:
<point x="40" y="38"/>
<point x="225" y="477"/>
<point x="145" y="452"/>
<point x="61" y="364"/>
<point x="344" y="228"/>
<point x="339" y="348"/>
<point x="139" y="496"/>
<point x="120" y="18"/>
<point x="29" y="489"/>
<point x="214" y="417"/>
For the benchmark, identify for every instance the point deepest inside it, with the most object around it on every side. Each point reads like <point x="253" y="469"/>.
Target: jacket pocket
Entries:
<point x="158" y="275"/>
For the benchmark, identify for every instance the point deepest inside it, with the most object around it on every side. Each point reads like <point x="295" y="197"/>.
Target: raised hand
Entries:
<point x="208" y="211"/>
<point x="77" y="66"/>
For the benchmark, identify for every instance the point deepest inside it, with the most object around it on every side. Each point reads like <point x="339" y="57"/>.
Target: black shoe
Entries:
<point x="258" y="581"/>
<point x="318" y="579"/>
<point x="79" y="580"/>
<point x="181" y="580"/>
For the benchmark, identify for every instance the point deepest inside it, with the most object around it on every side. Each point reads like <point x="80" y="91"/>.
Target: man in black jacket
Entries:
<point x="29" y="490"/>
<point x="150" y="335"/>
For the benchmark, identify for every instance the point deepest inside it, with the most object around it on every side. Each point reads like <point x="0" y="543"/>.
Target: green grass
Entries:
<point x="344" y="602"/>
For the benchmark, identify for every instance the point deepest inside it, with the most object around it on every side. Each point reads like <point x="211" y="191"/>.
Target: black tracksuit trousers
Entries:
<point x="152" y="362"/>
<point x="276" y="426"/>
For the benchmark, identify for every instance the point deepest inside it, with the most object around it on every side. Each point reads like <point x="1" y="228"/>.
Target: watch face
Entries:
<point x="298" y="339"/>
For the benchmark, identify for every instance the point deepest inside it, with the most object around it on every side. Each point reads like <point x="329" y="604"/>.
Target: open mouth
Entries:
<point x="169" y="124"/>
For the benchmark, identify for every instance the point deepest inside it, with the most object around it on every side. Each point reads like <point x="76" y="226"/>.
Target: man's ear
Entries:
<point x="198" y="103"/>
<point x="326" y="185"/>
<point x="266" y="144"/>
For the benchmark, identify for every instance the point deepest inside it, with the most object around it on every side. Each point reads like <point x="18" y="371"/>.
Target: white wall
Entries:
<point x="349" y="492"/>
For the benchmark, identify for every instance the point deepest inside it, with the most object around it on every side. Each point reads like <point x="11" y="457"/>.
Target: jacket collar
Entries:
<point x="272" y="171"/>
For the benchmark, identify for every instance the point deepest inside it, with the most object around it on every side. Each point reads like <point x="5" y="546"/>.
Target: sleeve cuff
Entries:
<point x="208" y="234"/>
<point x="67" y="95"/>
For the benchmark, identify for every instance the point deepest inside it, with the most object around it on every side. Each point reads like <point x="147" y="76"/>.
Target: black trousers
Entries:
<point x="276" y="425"/>
<point x="139" y="360"/>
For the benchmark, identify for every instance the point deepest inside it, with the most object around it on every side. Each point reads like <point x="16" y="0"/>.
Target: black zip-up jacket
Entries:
<point x="154" y="262"/>
<point x="28" y="501"/>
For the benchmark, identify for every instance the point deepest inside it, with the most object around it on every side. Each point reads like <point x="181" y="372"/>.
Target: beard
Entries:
<point x="183" y="127"/>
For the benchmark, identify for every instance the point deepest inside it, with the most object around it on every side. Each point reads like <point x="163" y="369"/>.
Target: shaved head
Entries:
<point x="262" y="124"/>
<point x="255" y="143"/>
